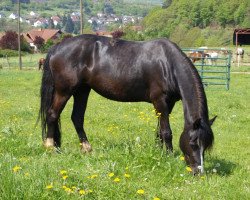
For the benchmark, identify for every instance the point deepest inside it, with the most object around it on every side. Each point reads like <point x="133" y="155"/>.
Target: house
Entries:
<point x="56" y="20"/>
<point x="46" y="34"/>
<point x="40" y="22"/>
<point x="13" y="16"/>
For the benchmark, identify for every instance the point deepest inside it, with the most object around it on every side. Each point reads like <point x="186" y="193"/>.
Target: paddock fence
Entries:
<point x="213" y="66"/>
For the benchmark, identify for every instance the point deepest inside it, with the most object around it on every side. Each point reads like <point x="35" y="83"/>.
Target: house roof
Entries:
<point x="46" y="34"/>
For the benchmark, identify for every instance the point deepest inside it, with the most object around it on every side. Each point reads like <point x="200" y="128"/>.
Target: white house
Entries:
<point x="13" y="16"/>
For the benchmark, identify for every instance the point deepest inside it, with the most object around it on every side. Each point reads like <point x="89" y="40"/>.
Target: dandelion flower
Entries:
<point x="26" y="174"/>
<point x="140" y="191"/>
<point x="189" y="169"/>
<point x="127" y="175"/>
<point x="93" y="176"/>
<point x="82" y="192"/>
<point x="117" y="180"/>
<point x="156" y="198"/>
<point x="68" y="190"/>
<point x="111" y="174"/>
<point x="65" y="177"/>
<point x="16" y="168"/>
<point x="182" y="158"/>
<point x="50" y="186"/>
<point x="63" y="172"/>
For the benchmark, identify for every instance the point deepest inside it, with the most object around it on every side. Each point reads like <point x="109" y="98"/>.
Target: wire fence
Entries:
<point x="29" y="61"/>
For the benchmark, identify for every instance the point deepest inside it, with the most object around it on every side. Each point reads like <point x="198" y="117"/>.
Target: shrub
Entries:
<point x="9" y="40"/>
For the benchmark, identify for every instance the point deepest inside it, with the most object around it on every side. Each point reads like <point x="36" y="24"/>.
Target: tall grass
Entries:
<point x="126" y="163"/>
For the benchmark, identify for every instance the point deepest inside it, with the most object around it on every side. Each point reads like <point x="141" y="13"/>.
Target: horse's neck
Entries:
<point x="193" y="96"/>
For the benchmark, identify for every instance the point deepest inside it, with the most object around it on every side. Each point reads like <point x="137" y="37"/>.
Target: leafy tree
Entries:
<point x="51" y="24"/>
<point x="166" y="3"/>
<point x="9" y="40"/>
<point x="69" y="27"/>
<point x="39" y="42"/>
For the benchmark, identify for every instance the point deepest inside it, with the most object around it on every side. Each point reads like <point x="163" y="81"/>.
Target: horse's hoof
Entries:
<point x="49" y="143"/>
<point x="86" y="147"/>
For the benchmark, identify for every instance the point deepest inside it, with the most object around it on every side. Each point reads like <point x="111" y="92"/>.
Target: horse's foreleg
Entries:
<point x="53" y="134"/>
<point x="165" y="132"/>
<point x="80" y="103"/>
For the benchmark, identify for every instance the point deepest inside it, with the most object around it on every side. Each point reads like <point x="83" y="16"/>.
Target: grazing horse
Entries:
<point x="198" y="55"/>
<point x="41" y="63"/>
<point x="155" y="71"/>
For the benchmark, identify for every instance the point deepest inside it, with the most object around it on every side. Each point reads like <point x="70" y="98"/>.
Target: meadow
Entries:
<point x="126" y="162"/>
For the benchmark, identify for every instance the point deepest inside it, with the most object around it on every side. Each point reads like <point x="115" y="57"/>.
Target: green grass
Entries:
<point x="123" y="138"/>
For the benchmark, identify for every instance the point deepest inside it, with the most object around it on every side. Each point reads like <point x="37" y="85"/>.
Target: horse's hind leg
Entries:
<point x="80" y="103"/>
<point x="53" y="137"/>
<point x="163" y="110"/>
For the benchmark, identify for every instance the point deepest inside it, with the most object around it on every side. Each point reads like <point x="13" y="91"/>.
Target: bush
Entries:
<point x="9" y="53"/>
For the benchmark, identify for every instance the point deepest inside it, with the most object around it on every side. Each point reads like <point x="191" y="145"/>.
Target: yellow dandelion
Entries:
<point x="93" y="176"/>
<point x="82" y="192"/>
<point x="50" y="186"/>
<point x="140" y="191"/>
<point x="117" y="180"/>
<point x="16" y="168"/>
<point x="156" y="198"/>
<point x="65" y="177"/>
<point x="64" y="187"/>
<point x="68" y="190"/>
<point x="26" y="174"/>
<point x="111" y="174"/>
<point x="182" y="158"/>
<point x="189" y="169"/>
<point x="127" y="175"/>
<point x="63" y="172"/>
<point x="73" y="187"/>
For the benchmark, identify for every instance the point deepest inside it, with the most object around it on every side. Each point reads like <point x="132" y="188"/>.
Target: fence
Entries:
<point x="29" y="61"/>
<point x="213" y="65"/>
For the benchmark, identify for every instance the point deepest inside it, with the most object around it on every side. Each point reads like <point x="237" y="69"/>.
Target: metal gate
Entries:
<point x="213" y="65"/>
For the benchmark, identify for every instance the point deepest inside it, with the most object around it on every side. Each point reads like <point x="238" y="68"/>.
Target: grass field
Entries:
<point x="126" y="163"/>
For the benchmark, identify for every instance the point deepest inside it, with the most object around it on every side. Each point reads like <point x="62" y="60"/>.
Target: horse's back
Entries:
<point x="120" y="70"/>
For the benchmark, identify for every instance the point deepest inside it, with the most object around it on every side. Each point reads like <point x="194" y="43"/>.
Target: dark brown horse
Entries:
<point x="156" y="71"/>
<point x="41" y="63"/>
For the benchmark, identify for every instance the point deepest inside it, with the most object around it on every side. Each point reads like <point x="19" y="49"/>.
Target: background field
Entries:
<point x="126" y="160"/>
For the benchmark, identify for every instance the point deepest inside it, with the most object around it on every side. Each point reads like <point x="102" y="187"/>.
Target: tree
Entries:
<point x="69" y="27"/>
<point x="51" y="24"/>
<point x="39" y="42"/>
<point x="166" y="4"/>
<point x="9" y="40"/>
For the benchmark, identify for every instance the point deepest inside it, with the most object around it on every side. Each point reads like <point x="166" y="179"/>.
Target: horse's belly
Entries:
<point x="121" y="90"/>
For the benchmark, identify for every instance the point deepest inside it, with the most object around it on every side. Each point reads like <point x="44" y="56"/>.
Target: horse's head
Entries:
<point x="194" y="141"/>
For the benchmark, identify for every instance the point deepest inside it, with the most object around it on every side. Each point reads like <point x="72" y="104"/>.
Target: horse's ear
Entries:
<point x="197" y="124"/>
<point x="211" y="121"/>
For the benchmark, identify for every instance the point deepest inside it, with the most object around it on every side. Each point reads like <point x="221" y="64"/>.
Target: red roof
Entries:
<point x="46" y="34"/>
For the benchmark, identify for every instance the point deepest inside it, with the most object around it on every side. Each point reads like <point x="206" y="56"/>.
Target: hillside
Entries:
<point x="198" y="23"/>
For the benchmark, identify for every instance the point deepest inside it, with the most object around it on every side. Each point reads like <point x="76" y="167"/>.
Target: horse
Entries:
<point x="198" y="55"/>
<point x="156" y="71"/>
<point x="41" y="63"/>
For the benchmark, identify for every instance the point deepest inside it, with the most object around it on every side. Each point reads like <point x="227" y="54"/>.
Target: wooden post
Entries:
<point x="81" y="11"/>
<point x="19" y="37"/>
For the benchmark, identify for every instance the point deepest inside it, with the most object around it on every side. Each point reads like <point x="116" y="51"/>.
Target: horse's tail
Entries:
<point x="47" y="93"/>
